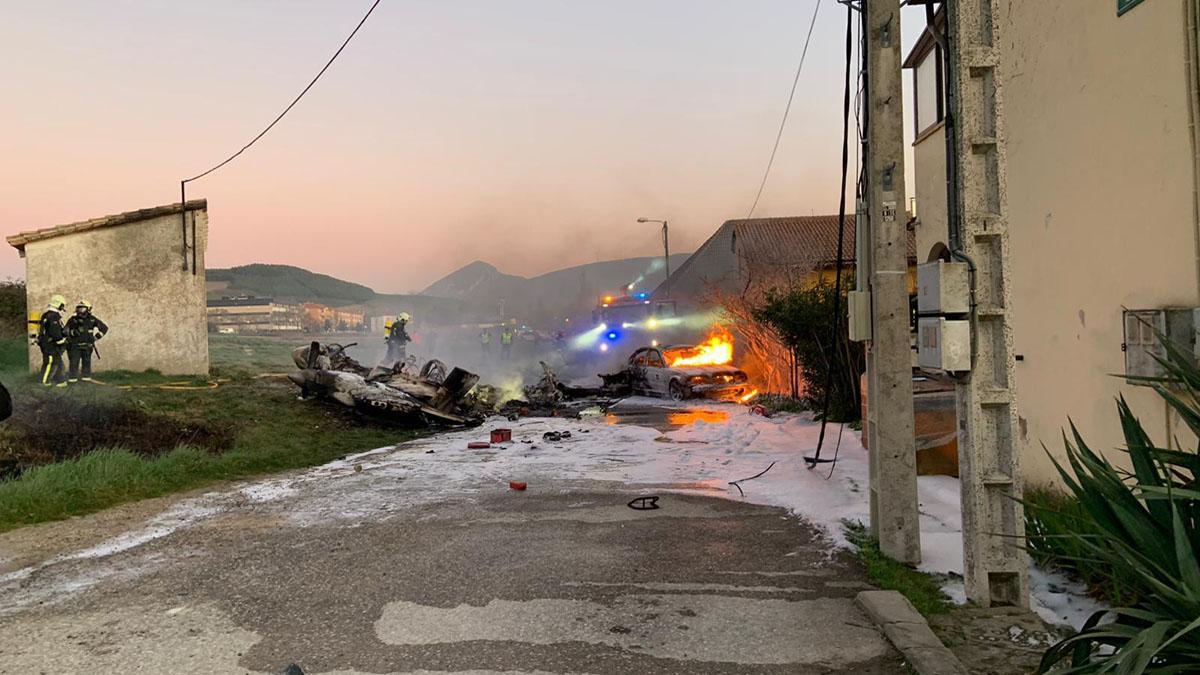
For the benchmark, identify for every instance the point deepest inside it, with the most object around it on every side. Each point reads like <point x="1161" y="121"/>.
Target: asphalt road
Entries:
<point x="564" y="578"/>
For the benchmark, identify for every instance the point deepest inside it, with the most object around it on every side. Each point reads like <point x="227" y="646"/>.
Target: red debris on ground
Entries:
<point x="478" y="445"/>
<point x="517" y="484"/>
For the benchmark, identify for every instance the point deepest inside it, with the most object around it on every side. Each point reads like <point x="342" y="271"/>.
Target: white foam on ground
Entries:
<point x="701" y="457"/>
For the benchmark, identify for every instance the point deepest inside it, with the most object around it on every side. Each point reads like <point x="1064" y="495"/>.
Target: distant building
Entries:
<point x="348" y="318"/>
<point x="144" y="273"/>
<point x="747" y="253"/>
<point x="316" y="318"/>
<point x="253" y="315"/>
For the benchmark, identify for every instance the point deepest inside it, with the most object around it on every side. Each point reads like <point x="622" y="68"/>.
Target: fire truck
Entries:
<point x="630" y="320"/>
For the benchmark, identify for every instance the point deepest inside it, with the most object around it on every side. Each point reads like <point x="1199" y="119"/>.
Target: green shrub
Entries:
<point x="1144" y="529"/>
<point x="12" y="309"/>
<point x="1052" y="519"/>
<point x="800" y="316"/>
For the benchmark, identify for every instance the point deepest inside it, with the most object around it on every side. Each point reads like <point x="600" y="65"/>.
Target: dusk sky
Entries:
<point x="528" y="133"/>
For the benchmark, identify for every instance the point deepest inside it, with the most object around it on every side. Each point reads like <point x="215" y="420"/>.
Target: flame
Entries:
<point x="716" y="350"/>
<point x="748" y="397"/>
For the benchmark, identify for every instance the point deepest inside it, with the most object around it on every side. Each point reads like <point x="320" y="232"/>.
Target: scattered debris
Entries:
<point x="501" y="435"/>
<point x="550" y="398"/>
<point x="555" y="436"/>
<point x="518" y="485"/>
<point x="648" y="503"/>
<point x="478" y="445"/>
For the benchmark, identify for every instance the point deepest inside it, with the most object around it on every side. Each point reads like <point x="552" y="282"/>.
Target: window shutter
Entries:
<point x="1126" y="5"/>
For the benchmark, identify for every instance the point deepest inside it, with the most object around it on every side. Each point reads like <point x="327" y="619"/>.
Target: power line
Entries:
<point x="836" y="318"/>
<point x="787" y="109"/>
<point x="294" y="101"/>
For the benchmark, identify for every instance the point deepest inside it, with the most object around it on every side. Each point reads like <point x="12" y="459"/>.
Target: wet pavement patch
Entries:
<point x="664" y="418"/>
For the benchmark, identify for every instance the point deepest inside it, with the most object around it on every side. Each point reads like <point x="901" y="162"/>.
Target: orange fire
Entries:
<point x="748" y="397"/>
<point x="716" y="350"/>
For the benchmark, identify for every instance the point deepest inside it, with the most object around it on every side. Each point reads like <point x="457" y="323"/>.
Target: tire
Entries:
<point x="678" y="392"/>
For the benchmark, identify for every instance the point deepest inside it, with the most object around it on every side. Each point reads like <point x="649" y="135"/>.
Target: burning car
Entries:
<point x="688" y="371"/>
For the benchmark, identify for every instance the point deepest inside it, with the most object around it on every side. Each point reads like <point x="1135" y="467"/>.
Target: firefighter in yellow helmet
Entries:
<point x="398" y="339"/>
<point x="83" y="330"/>
<point x="51" y="339"/>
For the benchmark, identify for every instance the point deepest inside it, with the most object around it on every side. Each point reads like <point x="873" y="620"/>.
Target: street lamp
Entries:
<point x="666" y="252"/>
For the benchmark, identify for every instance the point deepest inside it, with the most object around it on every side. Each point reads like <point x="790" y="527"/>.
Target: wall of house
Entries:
<point x="929" y="154"/>
<point x="1101" y="190"/>
<point x="132" y="274"/>
<point x="1101" y="186"/>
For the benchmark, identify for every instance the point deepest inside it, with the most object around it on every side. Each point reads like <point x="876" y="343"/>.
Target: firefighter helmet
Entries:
<point x="58" y="302"/>
<point x="84" y="304"/>
<point x="405" y="317"/>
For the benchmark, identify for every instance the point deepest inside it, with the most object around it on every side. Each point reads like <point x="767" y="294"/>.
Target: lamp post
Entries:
<point x="666" y="252"/>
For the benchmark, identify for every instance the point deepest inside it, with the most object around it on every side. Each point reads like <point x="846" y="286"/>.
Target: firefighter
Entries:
<point x="485" y="341"/>
<point x="50" y="339"/>
<point x="83" y="330"/>
<point x="506" y="342"/>
<point x="398" y="339"/>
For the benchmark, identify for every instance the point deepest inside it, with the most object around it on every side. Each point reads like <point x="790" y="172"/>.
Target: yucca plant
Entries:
<point x="1144" y="526"/>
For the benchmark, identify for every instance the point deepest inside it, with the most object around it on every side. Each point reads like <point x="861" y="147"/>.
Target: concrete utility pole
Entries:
<point x="995" y="568"/>
<point x="893" y="463"/>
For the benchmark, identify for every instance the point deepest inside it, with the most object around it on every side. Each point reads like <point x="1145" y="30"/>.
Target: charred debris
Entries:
<point x="435" y="395"/>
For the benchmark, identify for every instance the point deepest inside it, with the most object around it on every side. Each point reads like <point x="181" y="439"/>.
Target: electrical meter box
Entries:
<point x="944" y="344"/>
<point x="943" y="288"/>
<point x="858" y="309"/>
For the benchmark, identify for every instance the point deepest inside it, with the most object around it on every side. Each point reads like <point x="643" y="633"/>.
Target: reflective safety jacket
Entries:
<point x="506" y="337"/>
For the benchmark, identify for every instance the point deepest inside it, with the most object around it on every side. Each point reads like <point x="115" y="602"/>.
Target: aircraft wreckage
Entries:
<point x="430" y="397"/>
<point x="433" y="395"/>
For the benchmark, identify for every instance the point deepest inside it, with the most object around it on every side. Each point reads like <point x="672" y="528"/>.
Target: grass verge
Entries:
<point x="920" y="588"/>
<point x="146" y="441"/>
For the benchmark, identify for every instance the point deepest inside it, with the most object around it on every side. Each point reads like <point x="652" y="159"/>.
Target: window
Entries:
<point x="930" y="97"/>
<point x="1126" y="5"/>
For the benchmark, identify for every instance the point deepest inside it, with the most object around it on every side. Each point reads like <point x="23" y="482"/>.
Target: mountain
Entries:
<point x="472" y="293"/>
<point x="286" y="284"/>
<point x="473" y="281"/>
<point x="567" y="291"/>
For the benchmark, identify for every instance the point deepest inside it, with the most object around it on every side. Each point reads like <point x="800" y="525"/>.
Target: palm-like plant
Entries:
<point x="1145" y="528"/>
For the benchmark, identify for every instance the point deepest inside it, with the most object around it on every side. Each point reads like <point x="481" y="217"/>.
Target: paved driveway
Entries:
<point x="562" y="578"/>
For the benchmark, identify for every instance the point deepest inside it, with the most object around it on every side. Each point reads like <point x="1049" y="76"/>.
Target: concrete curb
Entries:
<point x="909" y="633"/>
